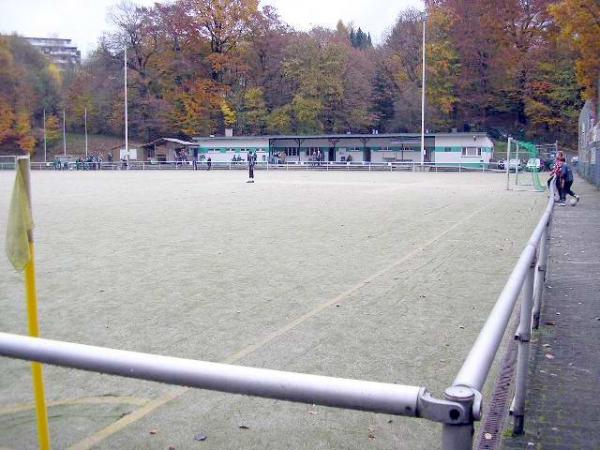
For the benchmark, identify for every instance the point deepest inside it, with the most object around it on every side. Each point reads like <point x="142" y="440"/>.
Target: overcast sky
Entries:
<point x="83" y="21"/>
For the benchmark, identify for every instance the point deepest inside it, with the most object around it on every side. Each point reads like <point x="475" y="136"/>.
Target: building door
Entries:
<point x="331" y="156"/>
<point x="428" y="155"/>
<point x="367" y="155"/>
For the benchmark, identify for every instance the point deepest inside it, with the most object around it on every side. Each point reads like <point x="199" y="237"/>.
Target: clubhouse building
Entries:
<point x="440" y="148"/>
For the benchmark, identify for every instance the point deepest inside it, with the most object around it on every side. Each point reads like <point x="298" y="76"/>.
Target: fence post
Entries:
<point x="523" y="335"/>
<point x="459" y="436"/>
<point x="540" y="275"/>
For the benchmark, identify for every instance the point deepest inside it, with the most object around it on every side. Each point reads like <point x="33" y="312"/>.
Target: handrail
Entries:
<point x="527" y="278"/>
<point x="297" y="387"/>
<point x="475" y="369"/>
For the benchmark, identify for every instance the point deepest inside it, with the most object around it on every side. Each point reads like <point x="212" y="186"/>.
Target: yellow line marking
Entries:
<point x="120" y="424"/>
<point x="20" y="407"/>
<point x="252" y="348"/>
<point x="98" y="437"/>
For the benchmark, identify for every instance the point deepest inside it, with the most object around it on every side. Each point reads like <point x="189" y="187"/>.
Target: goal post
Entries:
<point x="526" y="163"/>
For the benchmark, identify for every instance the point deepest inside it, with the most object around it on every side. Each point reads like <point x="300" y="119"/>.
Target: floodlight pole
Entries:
<point x="125" y="89"/>
<point x="507" y="164"/>
<point x="85" y="127"/>
<point x="64" y="134"/>
<point x="423" y="98"/>
<point x="45" y="135"/>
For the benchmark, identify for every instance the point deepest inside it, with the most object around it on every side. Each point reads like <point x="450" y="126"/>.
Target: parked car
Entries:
<point x="515" y="164"/>
<point x="512" y="164"/>
<point x="534" y="165"/>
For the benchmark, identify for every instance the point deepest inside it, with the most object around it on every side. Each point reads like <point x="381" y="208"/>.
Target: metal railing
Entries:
<point x="457" y="412"/>
<point x="264" y="165"/>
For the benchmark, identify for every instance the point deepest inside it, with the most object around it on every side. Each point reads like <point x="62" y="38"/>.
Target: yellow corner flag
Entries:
<point x="20" y="251"/>
<point x="20" y="223"/>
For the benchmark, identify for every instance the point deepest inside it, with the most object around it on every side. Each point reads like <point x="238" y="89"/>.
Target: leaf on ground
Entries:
<point x="549" y="356"/>
<point x="153" y="431"/>
<point x="200" y="437"/>
<point x="244" y="427"/>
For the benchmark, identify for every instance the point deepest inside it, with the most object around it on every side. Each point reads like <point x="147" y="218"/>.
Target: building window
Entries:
<point x="471" y="151"/>
<point x="447" y="149"/>
<point x="291" y="151"/>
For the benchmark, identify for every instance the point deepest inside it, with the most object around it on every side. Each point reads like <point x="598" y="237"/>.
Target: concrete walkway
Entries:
<point x="563" y="399"/>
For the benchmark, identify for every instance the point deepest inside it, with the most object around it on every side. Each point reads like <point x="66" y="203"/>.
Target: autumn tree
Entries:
<point x="222" y="23"/>
<point x="27" y="83"/>
<point x="580" y="26"/>
<point x="53" y="129"/>
<point x="399" y="68"/>
<point x="443" y="69"/>
<point x="254" y="113"/>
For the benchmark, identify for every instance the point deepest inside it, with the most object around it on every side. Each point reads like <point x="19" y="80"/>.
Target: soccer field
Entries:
<point x="376" y="276"/>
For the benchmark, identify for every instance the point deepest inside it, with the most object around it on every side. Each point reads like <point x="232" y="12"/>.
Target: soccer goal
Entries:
<point x="523" y="164"/>
<point x="8" y="162"/>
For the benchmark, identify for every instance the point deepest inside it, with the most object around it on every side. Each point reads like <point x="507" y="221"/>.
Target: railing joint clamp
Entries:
<point x="461" y="406"/>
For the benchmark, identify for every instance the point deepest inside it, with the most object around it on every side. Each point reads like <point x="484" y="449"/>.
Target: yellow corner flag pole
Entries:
<point x="19" y="248"/>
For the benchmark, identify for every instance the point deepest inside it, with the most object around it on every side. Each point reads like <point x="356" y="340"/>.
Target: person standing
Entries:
<point x="554" y="175"/>
<point x="565" y="179"/>
<point x="208" y="163"/>
<point x="251" y="163"/>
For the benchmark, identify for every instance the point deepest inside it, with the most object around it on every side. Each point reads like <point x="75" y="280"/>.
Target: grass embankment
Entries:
<point x="75" y="145"/>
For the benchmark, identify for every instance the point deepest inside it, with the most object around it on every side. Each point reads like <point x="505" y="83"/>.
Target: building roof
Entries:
<point x="171" y="140"/>
<point x="338" y="136"/>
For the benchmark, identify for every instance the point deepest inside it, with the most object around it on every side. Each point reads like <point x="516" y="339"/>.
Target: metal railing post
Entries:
<point x="540" y="276"/>
<point x="523" y="336"/>
<point x="459" y="436"/>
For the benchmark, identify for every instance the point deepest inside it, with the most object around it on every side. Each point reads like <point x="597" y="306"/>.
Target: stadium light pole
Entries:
<point x="85" y="127"/>
<point x="125" y="89"/>
<point x="423" y="96"/>
<point x="64" y="134"/>
<point x="45" y="135"/>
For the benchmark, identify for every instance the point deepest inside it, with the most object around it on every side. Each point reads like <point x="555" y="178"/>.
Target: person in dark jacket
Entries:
<point x="251" y="164"/>
<point x="565" y="179"/>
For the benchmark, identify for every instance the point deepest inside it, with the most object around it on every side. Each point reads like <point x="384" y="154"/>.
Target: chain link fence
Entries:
<point x="591" y="170"/>
<point x="589" y="144"/>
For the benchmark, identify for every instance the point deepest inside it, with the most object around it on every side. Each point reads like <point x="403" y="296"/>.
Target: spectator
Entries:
<point x="565" y="179"/>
